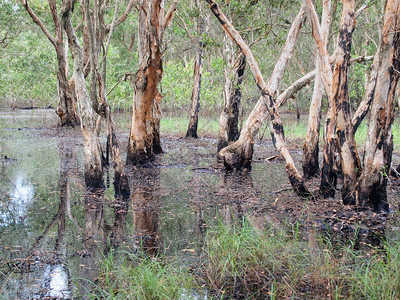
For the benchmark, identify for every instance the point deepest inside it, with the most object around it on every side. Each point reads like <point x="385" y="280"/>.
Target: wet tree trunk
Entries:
<point x="140" y="146"/>
<point x="371" y="189"/>
<point x="92" y="149"/>
<point x="239" y="154"/>
<point x="66" y="109"/>
<point x="229" y="118"/>
<point x="144" y="137"/>
<point x="95" y="38"/>
<point x="311" y="144"/>
<point x="195" y="100"/>
<point x="349" y="161"/>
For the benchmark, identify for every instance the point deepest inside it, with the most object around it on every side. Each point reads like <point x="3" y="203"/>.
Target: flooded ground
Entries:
<point x="53" y="234"/>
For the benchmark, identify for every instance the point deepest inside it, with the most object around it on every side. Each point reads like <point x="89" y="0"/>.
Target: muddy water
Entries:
<point x="53" y="233"/>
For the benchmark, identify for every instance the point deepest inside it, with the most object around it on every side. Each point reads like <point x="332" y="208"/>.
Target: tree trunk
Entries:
<point x="371" y="189"/>
<point x="239" y="154"/>
<point x="229" y="118"/>
<point x="329" y="173"/>
<point x="93" y="166"/>
<point x="349" y="161"/>
<point x="66" y="109"/>
<point x="141" y="139"/>
<point x="243" y="148"/>
<point x="157" y="149"/>
<point x="99" y="97"/>
<point x="311" y="144"/>
<point x="195" y="100"/>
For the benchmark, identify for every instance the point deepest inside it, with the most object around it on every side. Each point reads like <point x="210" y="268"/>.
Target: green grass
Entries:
<point x="178" y="126"/>
<point x="141" y="278"/>
<point x="241" y="262"/>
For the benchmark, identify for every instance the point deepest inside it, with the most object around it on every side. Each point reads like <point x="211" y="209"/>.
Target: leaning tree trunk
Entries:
<point x="243" y="147"/>
<point x="311" y="144"/>
<point x="93" y="166"/>
<point x="239" y="154"/>
<point x="195" y="100"/>
<point x="141" y="138"/>
<point x="349" y="161"/>
<point x="229" y="118"/>
<point x="371" y="189"/>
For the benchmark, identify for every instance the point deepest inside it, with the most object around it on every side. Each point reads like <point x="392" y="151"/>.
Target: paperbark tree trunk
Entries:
<point x="140" y="146"/>
<point x="239" y="154"/>
<point x="66" y="109"/>
<point x="144" y="137"/>
<point x="311" y="144"/>
<point x="195" y="100"/>
<point x="329" y="174"/>
<point x="92" y="150"/>
<point x="98" y="94"/>
<point x="349" y="161"/>
<point x="229" y="118"/>
<point x="371" y="189"/>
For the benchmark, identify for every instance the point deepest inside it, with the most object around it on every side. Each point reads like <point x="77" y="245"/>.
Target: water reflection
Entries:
<point x="16" y="208"/>
<point x="57" y="251"/>
<point x="145" y="207"/>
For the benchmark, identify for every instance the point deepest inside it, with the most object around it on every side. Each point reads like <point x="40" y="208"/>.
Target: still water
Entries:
<point x="53" y="234"/>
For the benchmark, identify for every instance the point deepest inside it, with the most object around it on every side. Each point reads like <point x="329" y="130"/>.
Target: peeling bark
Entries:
<point x="371" y="189"/>
<point x="144" y="137"/>
<point x="349" y="161"/>
<point x="92" y="150"/>
<point x="148" y="78"/>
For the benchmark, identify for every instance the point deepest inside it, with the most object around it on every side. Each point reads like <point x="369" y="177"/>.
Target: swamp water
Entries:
<point x="53" y="234"/>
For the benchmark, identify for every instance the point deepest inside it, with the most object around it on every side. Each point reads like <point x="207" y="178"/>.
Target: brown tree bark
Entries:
<point x="144" y="134"/>
<point x="239" y="154"/>
<point x="195" y="100"/>
<point x="93" y="166"/>
<point x="371" y="189"/>
<point x="66" y="109"/>
<point x="148" y="78"/>
<point x="311" y="144"/>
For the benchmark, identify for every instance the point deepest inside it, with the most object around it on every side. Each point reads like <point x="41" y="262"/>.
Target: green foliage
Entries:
<point x="28" y="76"/>
<point x="177" y="85"/>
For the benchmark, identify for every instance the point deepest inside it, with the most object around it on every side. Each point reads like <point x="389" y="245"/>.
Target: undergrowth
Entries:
<point x="241" y="262"/>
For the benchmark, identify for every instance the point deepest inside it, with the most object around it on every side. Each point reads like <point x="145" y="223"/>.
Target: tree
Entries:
<point x="145" y="113"/>
<point x="66" y="109"/>
<point x="311" y="145"/>
<point x="239" y="154"/>
<point x="92" y="149"/>
<point x="195" y="99"/>
<point x="371" y="188"/>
